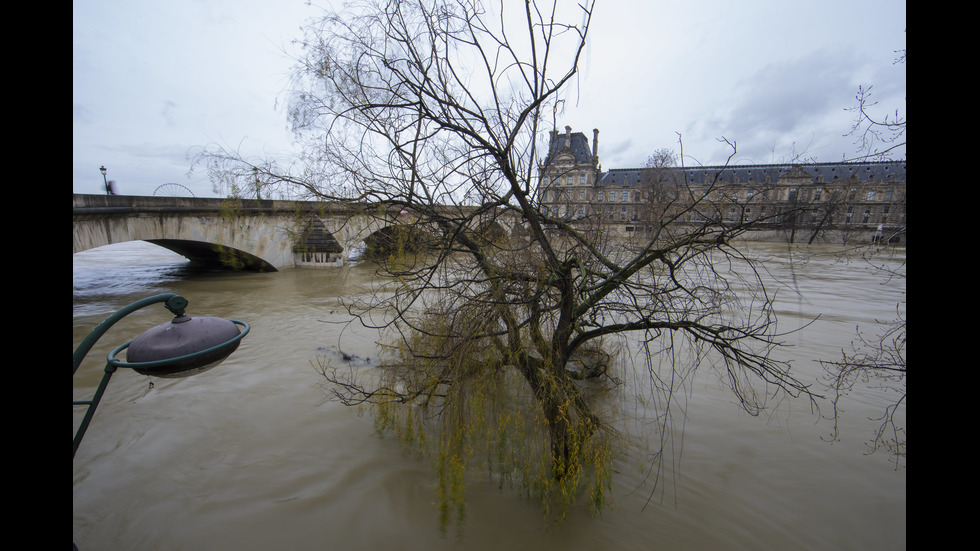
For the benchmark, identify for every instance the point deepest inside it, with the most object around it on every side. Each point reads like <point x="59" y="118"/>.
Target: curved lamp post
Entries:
<point x="181" y="347"/>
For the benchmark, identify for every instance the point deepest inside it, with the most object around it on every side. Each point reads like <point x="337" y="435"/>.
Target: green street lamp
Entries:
<point x="182" y="347"/>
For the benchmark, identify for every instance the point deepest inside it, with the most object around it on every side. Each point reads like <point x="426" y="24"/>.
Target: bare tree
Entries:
<point x="502" y="344"/>
<point x="877" y="136"/>
<point x="663" y="157"/>
<point x="666" y="190"/>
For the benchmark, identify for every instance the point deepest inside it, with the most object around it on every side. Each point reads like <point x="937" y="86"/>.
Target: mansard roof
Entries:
<point x="887" y="171"/>
<point x="620" y="177"/>
<point x="579" y="147"/>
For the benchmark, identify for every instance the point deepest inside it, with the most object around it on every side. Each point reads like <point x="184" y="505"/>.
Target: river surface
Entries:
<point x="252" y="455"/>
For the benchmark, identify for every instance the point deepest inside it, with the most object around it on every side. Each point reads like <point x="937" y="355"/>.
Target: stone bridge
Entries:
<point x="262" y="235"/>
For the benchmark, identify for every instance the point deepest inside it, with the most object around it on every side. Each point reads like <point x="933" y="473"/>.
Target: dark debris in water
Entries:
<point x="340" y="355"/>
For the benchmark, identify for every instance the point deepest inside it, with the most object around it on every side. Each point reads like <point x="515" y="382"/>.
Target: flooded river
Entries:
<point x="252" y="455"/>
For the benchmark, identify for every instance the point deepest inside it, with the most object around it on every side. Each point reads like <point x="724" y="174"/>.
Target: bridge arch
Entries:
<point x="327" y="240"/>
<point x="213" y="255"/>
<point x="207" y="256"/>
<point x="243" y="241"/>
<point x="405" y="232"/>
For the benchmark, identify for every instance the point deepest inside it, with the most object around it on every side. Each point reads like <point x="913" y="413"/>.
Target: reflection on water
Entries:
<point x="252" y="455"/>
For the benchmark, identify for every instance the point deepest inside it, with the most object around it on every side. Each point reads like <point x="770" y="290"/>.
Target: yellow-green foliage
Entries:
<point x="462" y="407"/>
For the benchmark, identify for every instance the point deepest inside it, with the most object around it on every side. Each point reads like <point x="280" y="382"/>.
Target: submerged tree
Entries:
<point x="504" y="342"/>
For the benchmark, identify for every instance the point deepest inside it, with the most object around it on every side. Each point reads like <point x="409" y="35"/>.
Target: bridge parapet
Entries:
<point x="88" y="204"/>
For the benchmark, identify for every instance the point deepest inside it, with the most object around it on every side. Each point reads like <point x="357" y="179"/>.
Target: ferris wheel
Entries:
<point x="172" y="189"/>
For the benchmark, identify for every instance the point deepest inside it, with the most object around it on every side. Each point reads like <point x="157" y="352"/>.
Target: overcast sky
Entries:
<point x="152" y="80"/>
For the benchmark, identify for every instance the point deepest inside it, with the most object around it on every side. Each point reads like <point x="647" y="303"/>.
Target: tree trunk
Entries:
<point x="558" y="426"/>
<point x="553" y="396"/>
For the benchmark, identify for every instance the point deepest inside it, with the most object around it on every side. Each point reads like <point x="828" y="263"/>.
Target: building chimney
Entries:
<point x="595" y="144"/>
<point x="568" y="136"/>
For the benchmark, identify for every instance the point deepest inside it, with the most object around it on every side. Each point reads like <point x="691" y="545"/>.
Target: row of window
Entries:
<point x="791" y="194"/>
<point x="820" y="193"/>
<point x="614" y="195"/>
<point x="568" y="180"/>
<point x="866" y="215"/>
<point x="863" y="216"/>
<point x="581" y="212"/>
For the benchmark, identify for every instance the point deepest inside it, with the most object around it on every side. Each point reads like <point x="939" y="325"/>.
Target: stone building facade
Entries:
<point x="817" y="197"/>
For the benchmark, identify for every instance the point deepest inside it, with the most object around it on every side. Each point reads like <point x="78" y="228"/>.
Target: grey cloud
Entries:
<point x="780" y="109"/>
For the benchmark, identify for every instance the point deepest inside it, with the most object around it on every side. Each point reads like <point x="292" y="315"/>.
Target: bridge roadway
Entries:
<point x="238" y="234"/>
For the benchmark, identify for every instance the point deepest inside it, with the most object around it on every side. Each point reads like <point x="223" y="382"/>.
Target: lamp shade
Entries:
<point x="195" y="344"/>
